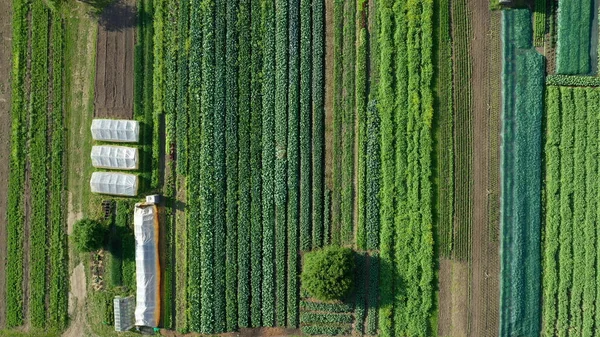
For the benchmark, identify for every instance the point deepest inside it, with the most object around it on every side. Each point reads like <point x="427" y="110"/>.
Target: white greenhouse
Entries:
<point x="114" y="183"/>
<point x="116" y="130"/>
<point x="115" y="157"/>
<point x="147" y="265"/>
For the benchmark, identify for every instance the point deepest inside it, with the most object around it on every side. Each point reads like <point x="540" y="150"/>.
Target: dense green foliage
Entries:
<point x="330" y="330"/>
<point x="523" y="83"/>
<point x="539" y="23"/>
<point x="88" y="235"/>
<point x="328" y="318"/>
<point x="573" y="45"/>
<point x="573" y="81"/>
<point x="328" y="273"/>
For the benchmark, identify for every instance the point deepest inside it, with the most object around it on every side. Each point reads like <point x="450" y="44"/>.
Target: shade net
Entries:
<point x="147" y="309"/>
<point x="114" y="183"/>
<point x="115" y="157"/>
<point x="115" y="130"/>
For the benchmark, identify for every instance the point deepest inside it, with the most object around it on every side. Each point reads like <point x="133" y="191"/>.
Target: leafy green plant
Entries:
<point x="89" y="235"/>
<point x="328" y="273"/>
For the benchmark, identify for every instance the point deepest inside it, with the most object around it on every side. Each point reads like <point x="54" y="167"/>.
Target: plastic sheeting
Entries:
<point x="114" y="183"/>
<point x="115" y="157"/>
<point x="116" y="130"/>
<point x="147" y="268"/>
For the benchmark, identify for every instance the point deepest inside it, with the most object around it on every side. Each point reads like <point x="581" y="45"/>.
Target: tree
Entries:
<point x="328" y="273"/>
<point x="89" y="235"/>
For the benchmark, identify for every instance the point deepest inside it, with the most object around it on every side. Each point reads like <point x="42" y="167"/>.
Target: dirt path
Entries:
<point x="453" y="298"/>
<point x="77" y="297"/>
<point x="5" y="125"/>
<point x="484" y="251"/>
<point x="114" y="67"/>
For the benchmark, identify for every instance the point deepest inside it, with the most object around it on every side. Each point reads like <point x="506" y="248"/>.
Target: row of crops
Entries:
<point x="36" y="218"/>
<point x="522" y="102"/>
<point x="570" y="254"/>
<point x="573" y="45"/>
<point x="241" y="88"/>
<point x="405" y="107"/>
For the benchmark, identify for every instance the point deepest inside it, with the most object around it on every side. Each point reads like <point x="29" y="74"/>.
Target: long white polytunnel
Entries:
<point x="115" y="157"/>
<point x="147" y="265"/>
<point x="116" y="130"/>
<point x="114" y="183"/>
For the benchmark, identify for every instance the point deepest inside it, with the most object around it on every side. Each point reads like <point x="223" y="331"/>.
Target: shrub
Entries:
<point x="89" y="235"/>
<point x="328" y="273"/>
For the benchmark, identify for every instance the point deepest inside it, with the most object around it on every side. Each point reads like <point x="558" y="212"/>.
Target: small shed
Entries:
<point x="116" y="130"/>
<point x="147" y="265"/>
<point x="115" y="157"/>
<point x="124" y="309"/>
<point x="122" y="184"/>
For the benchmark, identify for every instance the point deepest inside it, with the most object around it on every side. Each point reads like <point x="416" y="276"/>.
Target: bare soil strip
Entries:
<point x="114" y="66"/>
<point x="5" y="127"/>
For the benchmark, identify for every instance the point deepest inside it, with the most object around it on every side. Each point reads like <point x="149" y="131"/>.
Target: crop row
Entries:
<point x="256" y="163"/>
<point x="348" y="121"/>
<point x="15" y="214"/>
<point x="327" y="318"/>
<point x="58" y="281"/>
<point x="338" y="113"/>
<point x="37" y="157"/>
<point x="293" y="162"/>
<point x="573" y="81"/>
<point x="361" y="117"/>
<point x="305" y="124"/>
<point x="158" y="86"/>
<point x="373" y="181"/>
<point x="181" y="120"/>
<point x="571" y="163"/>
<point x="372" y="296"/>
<point x="318" y="121"/>
<point x="573" y="46"/>
<point x="148" y="165"/>
<point x="325" y="307"/>
<point x="445" y="150"/>
<point x="463" y="114"/>
<point x="539" y="23"/>
<point x="329" y="330"/>
<point x="360" y="311"/>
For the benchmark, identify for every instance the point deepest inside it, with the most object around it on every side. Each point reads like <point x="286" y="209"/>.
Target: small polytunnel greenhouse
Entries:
<point x="114" y="183"/>
<point x="116" y="130"/>
<point x="115" y="157"/>
<point x="147" y="265"/>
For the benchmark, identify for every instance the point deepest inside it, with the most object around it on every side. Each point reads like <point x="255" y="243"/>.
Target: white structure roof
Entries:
<point x="115" y="157"/>
<point x="114" y="183"/>
<point x="116" y="130"/>
<point x="147" y="266"/>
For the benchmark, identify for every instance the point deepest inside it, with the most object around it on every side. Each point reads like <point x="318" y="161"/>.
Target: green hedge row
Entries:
<point x="207" y="176"/>
<point x="269" y="151"/>
<point x="318" y="121"/>
<point x="256" y="164"/>
<point x="58" y="250"/>
<point x="38" y="155"/>
<point x="15" y="214"/>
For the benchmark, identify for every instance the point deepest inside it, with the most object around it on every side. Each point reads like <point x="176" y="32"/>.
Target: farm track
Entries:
<point x="114" y="78"/>
<point x="5" y="127"/>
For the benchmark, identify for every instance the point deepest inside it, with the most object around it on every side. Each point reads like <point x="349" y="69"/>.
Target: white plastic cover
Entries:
<point x="116" y="130"/>
<point x="114" y="183"/>
<point x="115" y="157"/>
<point x="147" y="268"/>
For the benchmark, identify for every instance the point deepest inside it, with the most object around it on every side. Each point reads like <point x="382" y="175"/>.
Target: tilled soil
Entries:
<point x="114" y="65"/>
<point x="5" y="125"/>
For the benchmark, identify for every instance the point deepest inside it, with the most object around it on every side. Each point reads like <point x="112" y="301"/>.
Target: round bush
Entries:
<point x="88" y="235"/>
<point x="328" y="273"/>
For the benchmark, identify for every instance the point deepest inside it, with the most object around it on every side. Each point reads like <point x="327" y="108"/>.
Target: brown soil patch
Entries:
<point x="5" y="125"/>
<point x="453" y="298"/>
<point x="484" y="249"/>
<point x="114" y="66"/>
<point x="77" y="297"/>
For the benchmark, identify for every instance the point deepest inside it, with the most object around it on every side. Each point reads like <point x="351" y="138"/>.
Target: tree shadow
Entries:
<point x="114" y="15"/>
